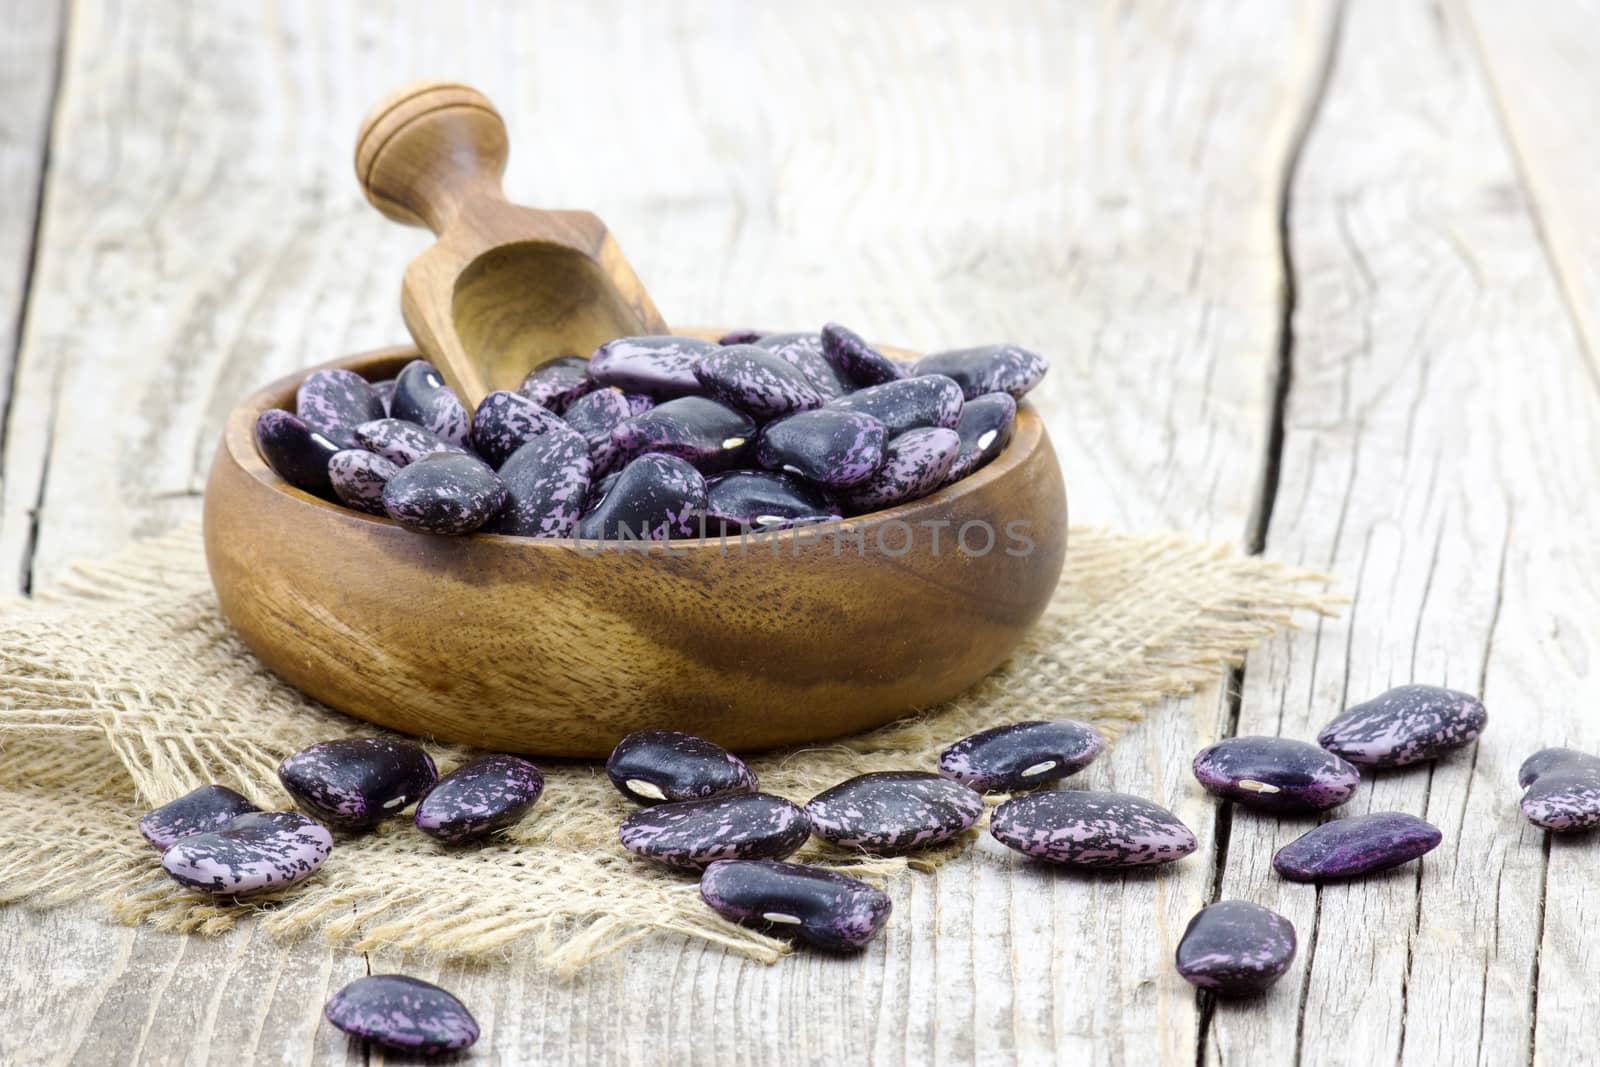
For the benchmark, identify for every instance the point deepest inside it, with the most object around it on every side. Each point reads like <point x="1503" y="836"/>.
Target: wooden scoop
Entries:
<point x="505" y="288"/>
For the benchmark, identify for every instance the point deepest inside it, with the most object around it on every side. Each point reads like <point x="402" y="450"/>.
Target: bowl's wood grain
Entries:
<point x="539" y="646"/>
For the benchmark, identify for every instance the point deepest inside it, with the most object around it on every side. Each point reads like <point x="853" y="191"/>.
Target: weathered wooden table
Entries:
<point x="1317" y="279"/>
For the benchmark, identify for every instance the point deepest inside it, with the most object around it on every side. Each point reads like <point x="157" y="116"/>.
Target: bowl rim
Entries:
<point x="238" y="438"/>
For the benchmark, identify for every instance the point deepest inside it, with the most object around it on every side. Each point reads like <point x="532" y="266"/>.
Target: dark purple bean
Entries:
<point x="987" y="369"/>
<point x="295" y="452"/>
<point x="914" y="465"/>
<point x="1563" y="789"/>
<point x="835" y="449"/>
<point x="1405" y="725"/>
<point x="421" y="396"/>
<point x="908" y="404"/>
<point x="740" y="337"/>
<point x="334" y="402"/>
<point x="755" y="381"/>
<point x="1091" y="829"/>
<point x="710" y="435"/>
<point x="478" y="798"/>
<point x="547" y="485"/>
<point x="402" y="1014"/>
<point x="891" y="812"/>
<point x="985" y="430"/>
<point x="556" y="384"/>
<point x="355" y="783"/>
<point x="823" y="908"/>
<point x="402" y="443"/>
<point x="762" y="500"/>
<point x="661" y="366"/>
<point x="258" y="852"/>
<point x="692" y="833"/>
<point x="211" y="807"/>
<point x="856" y="361"/>
<point x="650" y="766"/>
<point x="1235" y="948"/>
<point x="595" y="416"/>
<point x="385" y="391"/>
<point x="1276" y="774"/>
<point x="504" y="422"/>
<point x="444" y="494"/>
<point x="655" y="497"/>
<point x="804" y="352"/>
<point x="1361" y="844"/>
<point x="1021" y="755"/>
<point x="358" y="478"/>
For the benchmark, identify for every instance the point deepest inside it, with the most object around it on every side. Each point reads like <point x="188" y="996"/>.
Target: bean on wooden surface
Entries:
<point x="1408" y="724"/>
<point x="1361" y="844"/>
<point x="1021" y="755"/>
<point x="1276" y="774"/>
<point x="892" y="812"/>
<point x="693" y="833"/>
<point x="822" y="908"/>
<point x="1081" y="828"/>
<point x="1235" y="948"/>
<point x="403" y="1014"/>
<point x="1562" y="789"/>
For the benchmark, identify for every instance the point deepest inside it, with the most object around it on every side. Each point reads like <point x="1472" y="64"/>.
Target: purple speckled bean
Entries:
<point x="556" y="384"/>
<point x="649" y="766"/>
<point x="987" y="369"/>
<point x="254" y="853"/>
<point x="444" y="494"/>
<point x="402" y="443"/>
<point x="1405" y="725"/>
<point x="1235" y="948"/>
<point x="914" y="465"/>
<point x="1563" y="789"/>
<point x="835" y="449"/>
<point x="804" y="352"/>
<point x="1091" y="829"/>
<point x="908" y="404"/>
<point x="595" y="416"/>
<point x="355" y="783"/>
<point x="505" y="421"/>
<point x="547" y="484"/>
<point x="358" y="478"/>
<point x="692" y="833"/>
<point x="856" y="361"/>
<point x="757" y="382"/>
<point x="477" y="798"/>
<point x="741" y="337"/>
<point x="1021" y="755"/>
<point x="823" y="908"/>
<point x="764" y="500"/>
<point x="421" y="396"/>
<point x="661" y="366"/>
<point x="295" y="452"/>
<point x="985" y="429"/>
<point x="710" y="435"/>
<point x="402" y="1014"/>
<point x="334" y="402"/>
<point x="1276" y="774"/>
<point x="654" y="498"/>
<point x="385" y="391"/>
<point x="891" y="812"/>
<point x="211" y="807"/>
<point x="1361" y="844"/>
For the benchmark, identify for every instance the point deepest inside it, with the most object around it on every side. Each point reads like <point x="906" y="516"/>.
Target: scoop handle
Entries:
<point x="429" y="148"/>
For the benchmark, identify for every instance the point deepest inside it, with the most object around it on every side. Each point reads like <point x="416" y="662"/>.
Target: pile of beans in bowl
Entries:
<point x="656" y="437"/>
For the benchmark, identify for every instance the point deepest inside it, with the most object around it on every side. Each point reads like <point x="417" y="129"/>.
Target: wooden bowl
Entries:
<point x="562" y="647"/>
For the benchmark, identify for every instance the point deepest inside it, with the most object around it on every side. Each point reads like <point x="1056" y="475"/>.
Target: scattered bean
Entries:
<point x="356" y="783"/>
<point x="1089" y="829"/>
<point x="1563" y="789"/>
<point x="478" y="798"/>
<point x="693" y="833"/>
<point x="650" y="766"/>
<point x="1276" y="774"/>
<point x="1235" y="948"/>
<point x="211" y="807"/>
<point x="823" y="908"/>
<point x="891" y="812"/>
<point x="254" y="853"/>
<point x="402" y="1014"/>
<point x="1405" y="725"/>
<point x="1021" y="755"/>
<point x="1361" y="844"/>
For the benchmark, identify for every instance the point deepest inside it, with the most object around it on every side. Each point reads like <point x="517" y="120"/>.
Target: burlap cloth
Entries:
<point x="125" y="688"/>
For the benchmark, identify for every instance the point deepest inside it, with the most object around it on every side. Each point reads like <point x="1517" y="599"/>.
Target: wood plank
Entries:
<point x="1110" y="196"/>
<point x="1439" y="435"/>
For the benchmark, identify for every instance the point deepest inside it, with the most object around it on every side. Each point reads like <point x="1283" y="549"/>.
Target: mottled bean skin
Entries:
<point x="595" y="416"/>
<point x="1091" y="829"/>
<point x="421" y="396"/>
<point x="1021" y="755"/>
<point x="1235" y="948"/>
<point x="891" y="812"/>
<point x="756" y="382"/>
<point x="547" y="484"/>
<point x="295" y="452"/>
<point x="355" y="783"/>
<point x="402" y="443"/>
<point x="385" y="391"/>
<point x="985" y="430"/>
<point x="258" y="852"/>
<point x="987" y="369"/>
<point x="1276" y="774"/>
<point x="655" y="498"/>
<point x="556" y="384"/>
<point x="908" y="404"/>
<point x="403" y="1014"/>
<point x="763" y="500"/>
<point x="689" y="834"/>
<point x="1405" y="725"/>
<point x="709" y="434"/>
<point x="822" y="908"/>
<point x="478" y="798"/>
<point x="834" y="449"/>
<point x="444" y="494"/>
<point x="505" y="421"/>
<point x="1563" y="789"/>
<point x="659" y="366"/>
<point x="856" y="361"/>
<point x="804" y="352"/>
<point x="334" y="402"/>
<point x="211" y="807"/>
<point x="914" y="465"/>
<point x="358" y="478"/>
<point x="740" y="337"/>
<point x="1361" y="844"/>
<point x="651" y="766"/>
